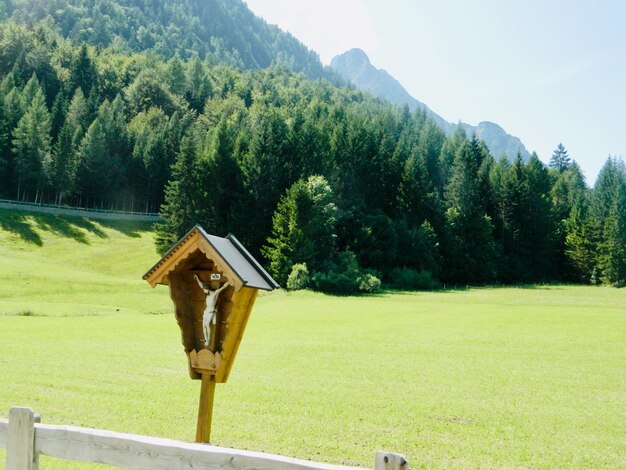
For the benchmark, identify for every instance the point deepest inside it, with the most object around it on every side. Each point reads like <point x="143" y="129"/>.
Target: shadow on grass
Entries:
<point x="130" y="228"/>
<point x="25" y="225"/>
<point x="17" y="223"/>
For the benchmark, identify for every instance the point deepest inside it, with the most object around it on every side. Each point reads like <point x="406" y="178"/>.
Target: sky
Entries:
<point x="547" y="71"/>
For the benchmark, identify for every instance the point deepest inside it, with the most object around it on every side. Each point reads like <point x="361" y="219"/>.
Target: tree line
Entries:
<point x="336" y="190"/>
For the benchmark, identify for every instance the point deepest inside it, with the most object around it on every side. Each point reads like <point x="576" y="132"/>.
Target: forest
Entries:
<point x="331" y="188"/>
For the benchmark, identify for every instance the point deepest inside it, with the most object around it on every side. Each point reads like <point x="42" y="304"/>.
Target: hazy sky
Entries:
<point x="547" y="71"/>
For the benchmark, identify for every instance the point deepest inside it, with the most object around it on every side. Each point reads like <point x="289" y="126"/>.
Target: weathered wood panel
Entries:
<point x="243" y="301"/>
<point x="140" y="452"/>
<point x="20" y="440"/>
<point x="4" y="427"/>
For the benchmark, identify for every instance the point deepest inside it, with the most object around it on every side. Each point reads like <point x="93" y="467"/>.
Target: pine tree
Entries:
<point x="470" y="247"/>
<point x="515" y="219"/>
<point x="611" y="259"/>
<point x="415" y="194"/>
<point x="560" y="160"/>
<point x="82" y="72"/>
<point x="4" y="149"/>
<point x="541" y="228"/>
<point x="29" y="91"/>
<point x="31" y="145"/>
<point x="223" y="180"/>
<point x="63" y="165"/>
<point x="77" y="117"/>
<point x="184" y="196"/>
<point x="198" y="85"/>
<point x="151" y="168"/>
<point x="303" y="229"/>
<point x="580" y="247"/>
<point x="176" y="75"/>
<point x="266" y="175"/>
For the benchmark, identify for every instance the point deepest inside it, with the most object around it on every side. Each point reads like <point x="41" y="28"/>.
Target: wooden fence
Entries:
<point x="25" y="438"/>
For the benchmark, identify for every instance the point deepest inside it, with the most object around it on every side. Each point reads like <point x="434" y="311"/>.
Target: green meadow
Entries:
<point x="529" y="377"/>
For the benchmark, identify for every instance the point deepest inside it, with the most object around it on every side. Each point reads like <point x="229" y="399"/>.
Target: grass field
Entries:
<point x="482" y="378"/>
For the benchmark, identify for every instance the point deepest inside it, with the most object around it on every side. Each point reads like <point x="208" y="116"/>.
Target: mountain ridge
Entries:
<point x="219" y="30"/>
<point x="355" y="66"/>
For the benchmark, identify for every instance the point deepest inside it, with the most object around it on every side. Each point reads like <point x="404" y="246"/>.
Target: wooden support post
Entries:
<point x="390" y="461"/>
<point x="205" y="408"/>
<point x="21" y="439"/>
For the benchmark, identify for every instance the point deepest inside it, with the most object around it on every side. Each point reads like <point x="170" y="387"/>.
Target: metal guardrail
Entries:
<point x="95" y="210"/>
<point x="79" y="211"/>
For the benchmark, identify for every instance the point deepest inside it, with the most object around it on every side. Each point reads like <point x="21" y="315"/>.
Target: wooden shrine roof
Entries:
<point x="232" y="253"/>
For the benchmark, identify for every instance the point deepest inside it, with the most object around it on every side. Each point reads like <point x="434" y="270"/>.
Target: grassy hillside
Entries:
<point x="489" y="378"/>
<point x="59" y="266"/>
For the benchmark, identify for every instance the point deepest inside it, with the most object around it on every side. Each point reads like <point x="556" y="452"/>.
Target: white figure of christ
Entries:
<point x="210" y="312"/>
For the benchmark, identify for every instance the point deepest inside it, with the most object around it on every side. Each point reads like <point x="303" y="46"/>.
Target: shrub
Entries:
<point x="369" y="283"/>
<point x="345" y="276"/>
<point x="412" y="279"/>
<point x="299" y="277"/>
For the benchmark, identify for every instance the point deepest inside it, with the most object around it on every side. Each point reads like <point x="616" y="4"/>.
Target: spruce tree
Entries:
<point x="415" y="194"/>
<point x="77" y="117"/>
<point x="82" y="72"/>
<point x="4" y="150"/>
<point x="29" y="91"/>
<point x="541" y="234"/>
<point x="580" y="246"/>
<point x="96" y="170"/>
<point x="198" y="85"/>
<point x="303" y="229"/>
<point x="31" y="146"/>
<point x="470" y="247"/>
<point x="184" y="196"/>
<point x="223" y="180"/>
<point x="266" y="172"/>
<point x="560" y="160"/>
<point x="611" y="259"/>
<point x="176" y="75"/>
<point x="63" y="165"/>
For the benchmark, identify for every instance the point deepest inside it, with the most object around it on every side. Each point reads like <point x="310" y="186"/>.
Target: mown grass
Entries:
<point x="490" y="378"/>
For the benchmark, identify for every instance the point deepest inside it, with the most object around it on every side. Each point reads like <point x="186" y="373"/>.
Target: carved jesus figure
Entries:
<point x="209" y="316"/>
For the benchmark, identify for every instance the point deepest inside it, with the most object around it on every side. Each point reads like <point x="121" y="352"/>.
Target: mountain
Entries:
<point x="355" y="66"/>
<point x="224" y="31"/>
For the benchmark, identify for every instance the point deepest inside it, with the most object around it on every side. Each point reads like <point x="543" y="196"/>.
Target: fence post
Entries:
<point x="21" y="440"/>
<point x="389" y="461"/>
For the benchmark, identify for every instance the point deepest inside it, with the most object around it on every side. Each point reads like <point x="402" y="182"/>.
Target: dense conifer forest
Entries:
<point x="170" y="107"/>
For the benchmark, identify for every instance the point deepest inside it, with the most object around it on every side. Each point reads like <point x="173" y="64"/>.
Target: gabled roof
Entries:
<point x="231" y="252"/>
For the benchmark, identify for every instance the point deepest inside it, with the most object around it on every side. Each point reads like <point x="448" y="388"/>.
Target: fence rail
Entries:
<point x="25" y="438"/>
<point x="79" y="211"/>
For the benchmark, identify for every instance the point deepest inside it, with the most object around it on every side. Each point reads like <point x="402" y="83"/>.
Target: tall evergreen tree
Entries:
<point x="63" y="165"/>
<point x="303" y="228"/>
<point x="266" y="173"/>
<point x="83" y="73"/>
<point x="31" y="146"/>
<point x="199" y="87"/>
<point x="470" y="247"/>
<point x="542" y="231"/>
<point x="611" y="251"/>
<point x="184" y="196"/>
<point x="223" y="180"/>
<point x="580" y="246"/>
<point x="96" y="171"/>
<point x="77" y="117"/>
<point x="4" y="150"/>
<point x="560" y="160"/>
<point x="152" y="160"/>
